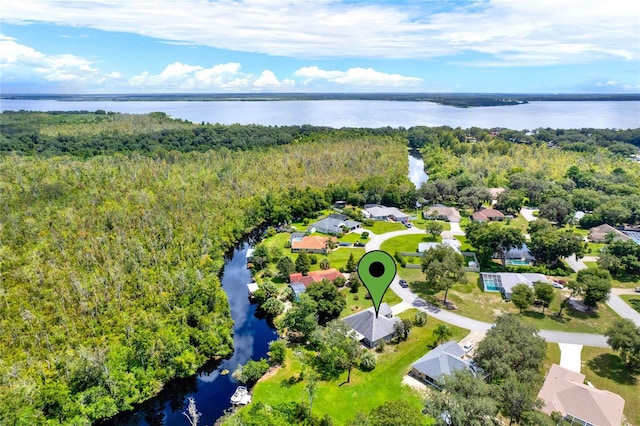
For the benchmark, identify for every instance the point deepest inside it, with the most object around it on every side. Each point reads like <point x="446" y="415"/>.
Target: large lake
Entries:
<point x="367" y="113"/>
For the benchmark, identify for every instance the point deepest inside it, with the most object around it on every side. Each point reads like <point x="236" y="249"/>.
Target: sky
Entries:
<point x="247" y="46"/>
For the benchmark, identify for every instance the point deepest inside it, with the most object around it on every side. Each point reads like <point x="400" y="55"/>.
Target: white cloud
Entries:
<point x="357" y="77"/>
<point x="567" y="31"/>
<point x="18" y="61"/>
<point x="224" y="77"/>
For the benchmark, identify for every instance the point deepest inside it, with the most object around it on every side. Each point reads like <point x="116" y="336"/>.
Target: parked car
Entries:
<point x="358" y="244"/>
<point x="556" y="284"/>
<point x="408" y="225"/>
<point x="403" y="284"/>
<point x="468" y="347"/>
<point x="637" y="289"/>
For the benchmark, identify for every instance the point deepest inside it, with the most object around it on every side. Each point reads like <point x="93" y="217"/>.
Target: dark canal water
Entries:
<point x="210" y="388"/>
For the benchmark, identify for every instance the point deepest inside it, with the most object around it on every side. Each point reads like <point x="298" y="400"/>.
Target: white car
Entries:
<point x="557" y="285"/>
<point x="468" y="347"/>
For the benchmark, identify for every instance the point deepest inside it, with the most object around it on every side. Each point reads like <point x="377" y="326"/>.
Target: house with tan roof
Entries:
<point x="564" y="391"/>
<point x="598" y="234"/>
<point x="310" y="244"/>
<point x="487" y="215"/>
<point x="441" y="212"/>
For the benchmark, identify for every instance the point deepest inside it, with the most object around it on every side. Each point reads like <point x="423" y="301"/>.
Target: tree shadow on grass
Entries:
<point x="611" y="367"/>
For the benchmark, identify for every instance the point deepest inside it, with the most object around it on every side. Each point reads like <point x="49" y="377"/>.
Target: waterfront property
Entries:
<point x="371" y="330"/>
<point x="315" y="276"/>
<point x="379" y="212"/>
<point x="564" y="391"/>
<point x="505" y="281"/>
<point x="439" y="362"/>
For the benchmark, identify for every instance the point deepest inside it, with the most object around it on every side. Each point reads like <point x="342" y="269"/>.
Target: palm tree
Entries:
<point x="442" y="333"/>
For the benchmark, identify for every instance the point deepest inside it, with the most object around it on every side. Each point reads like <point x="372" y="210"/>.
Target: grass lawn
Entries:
<point x="407" y="243"/>
<point x="465" y="245"/>
<point x="367" y="390"/>
<point x="631" y="300"/>
<point x="594" y="249"/>
<point x="421" y="223"/>
<point x="352" y="238"/>
<point x="382" y="227"/>
<point x="411" y="275"/>
<point x="606" y="371"/>
<point x="591" y="264"/>
<point x="474" y="303"/>
<point x="625" y="281"/>
<point x="354" y="306"/>
<point x="552" y="356"/>
<point x="518" y="222"/>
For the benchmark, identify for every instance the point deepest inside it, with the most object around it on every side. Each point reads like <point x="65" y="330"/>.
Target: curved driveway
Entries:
<point x="411" y="300"/>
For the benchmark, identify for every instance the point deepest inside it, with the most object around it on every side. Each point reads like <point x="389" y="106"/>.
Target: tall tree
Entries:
<point x="303" y="263"/>
<point x="443" y="267"/>
<point x="433" y="228"/>
<point x="545" y="293"/>
<point x="339" y="350"/>
<point x="557" y="210"/>
<point x="522" y="296"/>
<point x="492" y="239"/>
<point x="285" y="267"/>
<point x="595" y="285"/>
<point x="442" y="333"/>
<point x="329" y="300"/>
<point x="624" y="337"/>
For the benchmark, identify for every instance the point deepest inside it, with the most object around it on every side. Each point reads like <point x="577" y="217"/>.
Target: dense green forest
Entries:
<point x="109" y="265"/>
<point x="113" y="230"/>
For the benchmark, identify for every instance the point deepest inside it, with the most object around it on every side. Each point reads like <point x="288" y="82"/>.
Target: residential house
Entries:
<point x="335" y="224"/>
<point x="450" y="242"/>
<point x="518" y="256"/>
<point x="315" y="276"/>
<point x="487" y="215"/>
<point x="311" y="244"/>
<point x="440" y="212"/>
<point x="371" y="330"/>
<point x="378" y="212"/>
<point x="495" y="193"/>
<point x="505" y="281"/>
<point x="564" y="391"/>
<point x="439" y="362"/>
<point x="598" y="234"/>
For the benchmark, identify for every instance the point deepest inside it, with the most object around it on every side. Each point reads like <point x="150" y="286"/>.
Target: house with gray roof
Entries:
<point x="369" y="330"/>
<point x="335" y="224"/>
<point x="440" y="362"/>
<point x="441" y="212"/>
<point x="505" y="281"/>
<point x="378" y="212"/>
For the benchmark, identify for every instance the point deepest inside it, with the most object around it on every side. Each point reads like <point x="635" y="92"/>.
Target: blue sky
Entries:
<point x="213" y="46"/>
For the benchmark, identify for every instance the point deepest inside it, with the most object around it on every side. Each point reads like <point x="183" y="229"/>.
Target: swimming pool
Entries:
<point x="518" y="262"/>
<point x="491" y="282"/>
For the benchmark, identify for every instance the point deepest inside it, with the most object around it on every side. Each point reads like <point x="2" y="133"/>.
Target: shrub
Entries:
<point x="420" y="318"/>
<point x="368" y="361"/>
<point x="313" y="259"/>
<point x="380" y="346"/>
<point x="339" y="282"/>
<point x="325" y="264"/>
<point x="364" y="235"/>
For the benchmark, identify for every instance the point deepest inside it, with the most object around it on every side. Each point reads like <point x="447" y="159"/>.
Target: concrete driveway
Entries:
<point x="621" y="307"/>
<point x="527" y="213"/>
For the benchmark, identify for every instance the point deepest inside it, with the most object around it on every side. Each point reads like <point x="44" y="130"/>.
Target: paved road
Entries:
<point x="574" y="263"/>
<point x="527" y="213"/>
<point x="411" y="300"/>
<point x="621" y="307"/>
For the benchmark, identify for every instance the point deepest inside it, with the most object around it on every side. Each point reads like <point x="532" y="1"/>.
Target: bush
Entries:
<point x="368" y="361"/>
<point x="420" y="318"/>
<point x="364" y="235"/>
<point x="325" y="264"/>
<point x="271" y="232"/>
<point x="355" y="286"/>
<point x="400" y="259"/>
<point x="313" y="259"/>
<point x="339" y="282"/>
<point x="356" y="297"/>
<point x="380" y="346"/>
<point x="277" y="351"/>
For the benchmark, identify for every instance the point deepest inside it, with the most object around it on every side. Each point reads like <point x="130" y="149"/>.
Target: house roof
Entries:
<point x="487" y="214"/>
<point x="564" y="391"/>
<point x="315" y="276"/>
<point x="370" y="327"/>
<point x="313" y="242"/>
<point x="441" y="361"/>
<point x="599" y="233"/>
<point x="496" y="191"/>
<point x="334" y="223"/>
<point x="451" y="242"/>
<point x="449" y="212"/>
<point x="508" y="280"/>
<point x="377" y="210"/>
<point x="520" y="253"/>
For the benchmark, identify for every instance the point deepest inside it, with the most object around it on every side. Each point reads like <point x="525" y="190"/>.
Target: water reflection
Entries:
<point x="210" y="388"/>
<point x="417" y="174"/>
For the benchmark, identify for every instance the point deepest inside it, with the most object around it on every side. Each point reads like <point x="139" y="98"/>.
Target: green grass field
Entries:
<point x="605" y="370"/>
<point x="381" y="227"/>
<point x="632" y="300"/>
<point x="407" y="243"/>
<point x="354" y="306"/>
<point x="367" y="390"/>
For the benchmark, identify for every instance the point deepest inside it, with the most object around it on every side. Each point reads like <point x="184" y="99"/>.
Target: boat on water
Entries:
<point x="241" y="396"/>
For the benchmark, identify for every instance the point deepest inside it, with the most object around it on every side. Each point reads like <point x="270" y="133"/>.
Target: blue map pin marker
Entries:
<point x="377" y="270"/>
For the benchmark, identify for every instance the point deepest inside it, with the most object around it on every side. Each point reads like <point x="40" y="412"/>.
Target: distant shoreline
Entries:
<point x="460" y="100"/>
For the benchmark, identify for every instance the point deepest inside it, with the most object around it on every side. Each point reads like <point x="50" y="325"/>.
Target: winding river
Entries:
<point x="211" y="389"/>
